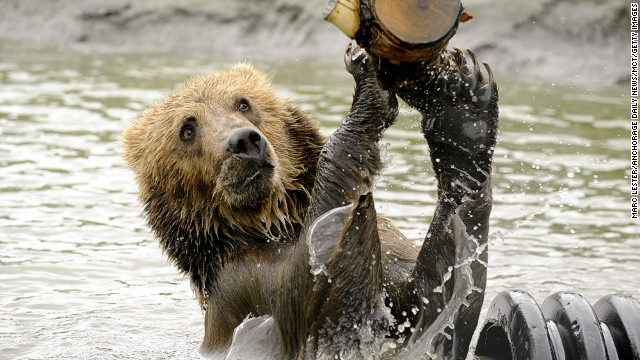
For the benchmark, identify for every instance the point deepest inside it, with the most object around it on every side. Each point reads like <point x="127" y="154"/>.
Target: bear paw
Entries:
<point x="359" y="65"/>
<point x="460" y="122"/>
<point x="356" y="59"/>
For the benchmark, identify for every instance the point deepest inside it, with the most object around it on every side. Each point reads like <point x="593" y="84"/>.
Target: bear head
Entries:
<point x="226" y="155"/>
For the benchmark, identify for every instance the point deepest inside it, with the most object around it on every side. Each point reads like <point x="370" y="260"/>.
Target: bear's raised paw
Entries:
<point x="461" y="117"/>
<point x="356" y="59"/>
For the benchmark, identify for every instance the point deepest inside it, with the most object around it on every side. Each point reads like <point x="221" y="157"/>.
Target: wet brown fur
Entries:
<point x="246" y="254"/>
<point x="241" y="259"/>
<point x="182" y="185"/>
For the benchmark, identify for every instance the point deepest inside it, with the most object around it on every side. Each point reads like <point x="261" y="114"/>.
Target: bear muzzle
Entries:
<point x="248" y="144"/>
<point x="250" y="149"/>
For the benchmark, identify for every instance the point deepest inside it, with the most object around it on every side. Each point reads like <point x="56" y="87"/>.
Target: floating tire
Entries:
<point x="566" y="327"/>
<point x="621" y="316"/>
<point x="578" y="326"/>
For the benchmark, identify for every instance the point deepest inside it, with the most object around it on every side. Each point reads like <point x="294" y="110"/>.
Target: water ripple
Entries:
<point x="81" y="276"/>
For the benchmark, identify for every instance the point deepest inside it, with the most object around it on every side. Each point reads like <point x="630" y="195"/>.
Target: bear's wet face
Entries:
<point x="226" y="153"/>
<point x="227" y="139"/>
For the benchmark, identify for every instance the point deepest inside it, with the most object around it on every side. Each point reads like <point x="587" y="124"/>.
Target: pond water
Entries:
<point x="81" y="276"/>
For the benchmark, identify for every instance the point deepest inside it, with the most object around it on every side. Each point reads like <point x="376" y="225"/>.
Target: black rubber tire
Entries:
<point x="566" y="327"/>
<point x="578" y="326"/>
<point x="514" y="328"/>
<point x="621" y="314"/>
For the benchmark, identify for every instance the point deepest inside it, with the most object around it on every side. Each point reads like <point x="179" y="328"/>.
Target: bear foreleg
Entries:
<point x="460" y="123"/>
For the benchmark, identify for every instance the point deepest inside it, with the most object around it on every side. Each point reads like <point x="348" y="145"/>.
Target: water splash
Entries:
<point x="372" y="332"/>
<point x="255" y="338"/>
<point x="429" y="345"/>
<point x="323" y="237"/>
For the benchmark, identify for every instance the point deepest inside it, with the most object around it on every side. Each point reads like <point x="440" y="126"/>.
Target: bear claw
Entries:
<point x="476" y="66"/>
<point x="461" y="116"/>
<point x="354" y="57"/>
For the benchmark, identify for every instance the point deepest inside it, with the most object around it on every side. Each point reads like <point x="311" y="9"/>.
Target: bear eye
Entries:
<point x="187" y="133"/>
<point x="243" y="105"/>
<point x="188" y="130"/>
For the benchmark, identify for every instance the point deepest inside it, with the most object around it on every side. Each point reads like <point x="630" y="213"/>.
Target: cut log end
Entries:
<point x="403" y="31"/>
<point x="345" y="14"/>
<point x="417" y="21"/>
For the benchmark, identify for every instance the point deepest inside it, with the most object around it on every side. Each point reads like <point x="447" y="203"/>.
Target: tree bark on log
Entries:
<point x="406" y="39"/>
<point x="400" y="31"/>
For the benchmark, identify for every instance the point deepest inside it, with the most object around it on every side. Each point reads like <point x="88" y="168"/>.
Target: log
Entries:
<point x="397" y="30"/>
<point x="405" y="39"/>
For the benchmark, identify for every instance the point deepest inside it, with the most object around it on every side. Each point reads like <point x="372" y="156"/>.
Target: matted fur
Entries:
<point x="215" y="204"/>
<point x="180" y="184"/>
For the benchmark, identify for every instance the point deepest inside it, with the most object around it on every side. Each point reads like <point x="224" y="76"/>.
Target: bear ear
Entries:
<point x="131" y="140"/>
<point x="128" y="143"/>
<point x="246" y="70"/>
<point x="243" y="66"/>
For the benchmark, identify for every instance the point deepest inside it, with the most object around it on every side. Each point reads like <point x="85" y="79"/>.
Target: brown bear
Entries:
<point x="266" y="218"/>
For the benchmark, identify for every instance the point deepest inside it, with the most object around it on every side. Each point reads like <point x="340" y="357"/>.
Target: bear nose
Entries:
<point x="247" y="144"/>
